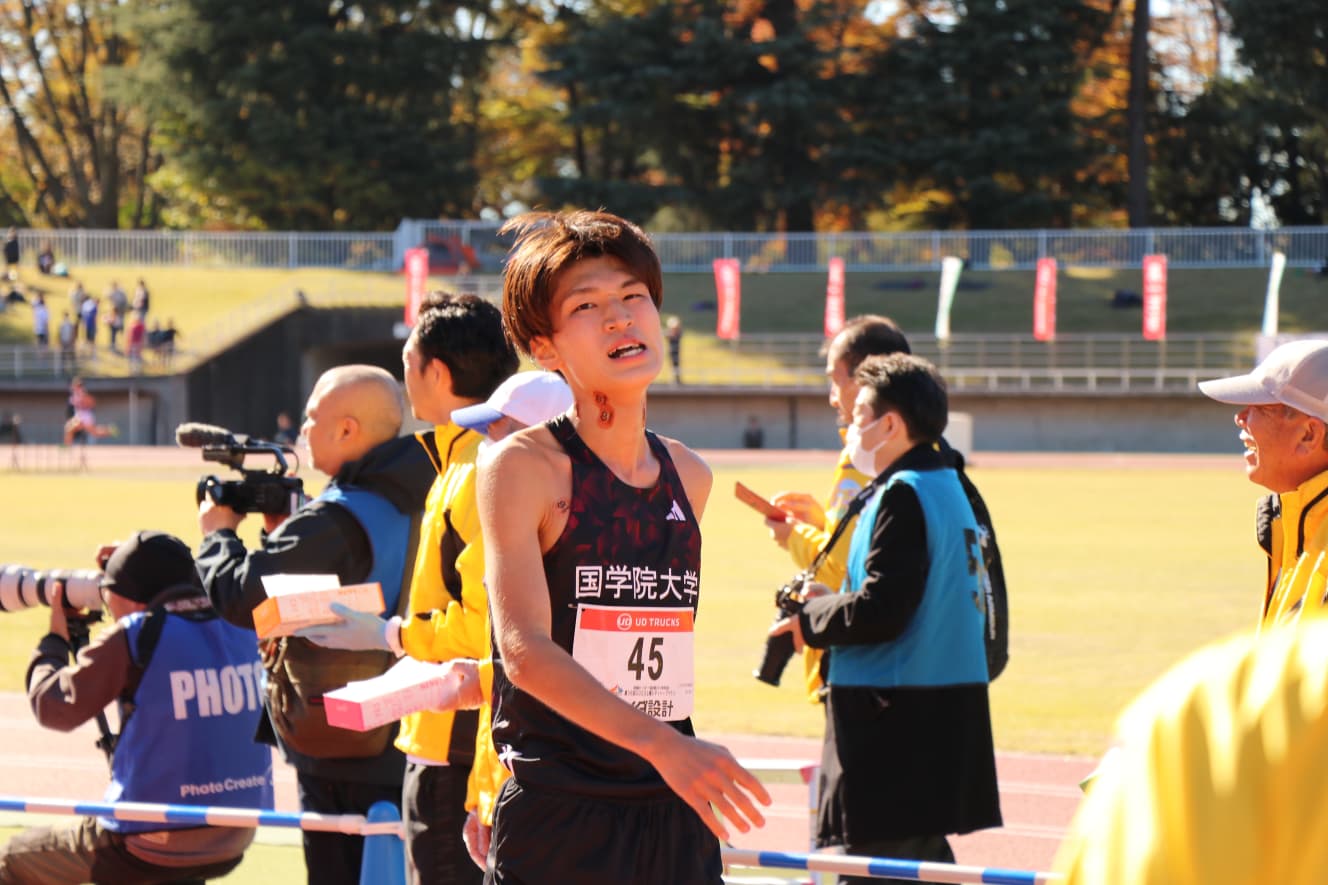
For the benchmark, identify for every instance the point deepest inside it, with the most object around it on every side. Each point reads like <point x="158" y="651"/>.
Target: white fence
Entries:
<point x="682" y="252"/>
<point x="1081" y="363"/>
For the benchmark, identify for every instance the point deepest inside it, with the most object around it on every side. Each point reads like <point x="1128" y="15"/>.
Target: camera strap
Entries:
<point x="850" y="512"/>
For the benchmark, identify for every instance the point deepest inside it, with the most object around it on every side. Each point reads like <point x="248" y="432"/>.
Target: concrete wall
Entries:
<point x="803" y="419"/>
<point x="274" y="369"/>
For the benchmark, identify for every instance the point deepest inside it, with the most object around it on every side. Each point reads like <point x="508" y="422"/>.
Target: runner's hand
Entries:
<point x="710" y="780"/>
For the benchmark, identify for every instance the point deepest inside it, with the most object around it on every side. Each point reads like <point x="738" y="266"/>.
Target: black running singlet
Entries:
<point x="624" y="579"/>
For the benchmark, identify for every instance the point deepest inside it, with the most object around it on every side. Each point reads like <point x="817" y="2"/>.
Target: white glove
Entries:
<point x="357" y="630"/>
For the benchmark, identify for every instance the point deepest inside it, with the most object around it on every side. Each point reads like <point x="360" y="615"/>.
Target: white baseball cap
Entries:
<point x="1294" y="374"/>
<point x="529" y="397"/>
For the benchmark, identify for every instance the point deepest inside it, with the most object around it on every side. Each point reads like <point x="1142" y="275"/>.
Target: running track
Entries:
<point x="1038" y="793"/>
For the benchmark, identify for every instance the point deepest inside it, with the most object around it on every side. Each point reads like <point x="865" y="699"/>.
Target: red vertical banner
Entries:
<point x="417" y="279"/>
<point x="1155" y="297"/>
<point x="1044" y="300"/>
<point x="728" y="283"/>
<point x="834" y="298"/>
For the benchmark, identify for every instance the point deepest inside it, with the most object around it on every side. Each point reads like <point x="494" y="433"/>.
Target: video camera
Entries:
<point x="275" y="490"/>
<point x="779" y="649"/>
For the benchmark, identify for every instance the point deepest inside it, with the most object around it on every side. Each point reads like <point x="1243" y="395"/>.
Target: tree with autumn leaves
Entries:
<point x="774" y="115"/>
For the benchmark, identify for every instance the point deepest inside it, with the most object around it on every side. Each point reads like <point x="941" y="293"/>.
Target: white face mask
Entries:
<point x="864" y="460"/>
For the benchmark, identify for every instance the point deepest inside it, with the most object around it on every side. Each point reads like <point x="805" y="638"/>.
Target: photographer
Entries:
<point x="359" y="529"/>
<point x="186" y="683"/>
<point x="908" y="755"/>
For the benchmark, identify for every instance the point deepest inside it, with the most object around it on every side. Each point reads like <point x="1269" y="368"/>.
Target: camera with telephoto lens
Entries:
<point x="779" y="649"/>
<point x="22" y="587"/>
<point x="275" y="490"/>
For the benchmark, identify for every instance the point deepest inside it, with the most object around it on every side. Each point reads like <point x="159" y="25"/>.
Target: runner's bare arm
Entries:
<point x="702" y="774"/>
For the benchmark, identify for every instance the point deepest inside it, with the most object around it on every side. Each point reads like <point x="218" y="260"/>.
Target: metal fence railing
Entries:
<point x="996" y="363"/>
<point x="29" y="362"/>
<point x="695" y="252"/>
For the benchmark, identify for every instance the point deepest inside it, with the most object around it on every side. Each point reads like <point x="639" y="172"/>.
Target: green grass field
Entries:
<point x="1114" y="574"/>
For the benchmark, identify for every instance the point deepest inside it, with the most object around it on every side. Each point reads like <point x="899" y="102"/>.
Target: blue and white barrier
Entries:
<point x="384" y="860"/>
<point x="151" y="812"/>
<point x="913" y="870"/>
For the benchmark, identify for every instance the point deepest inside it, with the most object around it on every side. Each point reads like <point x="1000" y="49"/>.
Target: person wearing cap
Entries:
<point x="1283" y="410"/>
<point x="187" y="687"/>
<point x="456" y="356"/>
<point x="360" y="529"/>
<point x="524" y="400"/>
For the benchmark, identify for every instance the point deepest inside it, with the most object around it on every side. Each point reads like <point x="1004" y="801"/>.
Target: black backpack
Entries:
<point x="997" y="604"/>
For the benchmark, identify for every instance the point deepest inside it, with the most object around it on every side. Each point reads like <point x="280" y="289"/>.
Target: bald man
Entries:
<point x="359" y="529"/>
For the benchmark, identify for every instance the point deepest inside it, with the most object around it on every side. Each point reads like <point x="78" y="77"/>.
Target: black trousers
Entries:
<point x="433" y="798"/>
<point x="543" y="836"/>
<point x="334" y="858"/>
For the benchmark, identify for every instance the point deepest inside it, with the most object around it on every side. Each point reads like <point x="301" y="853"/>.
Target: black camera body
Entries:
<point x="275" y="490"/>
<point x="258" y="492"/>
<point x="779" y="649"/>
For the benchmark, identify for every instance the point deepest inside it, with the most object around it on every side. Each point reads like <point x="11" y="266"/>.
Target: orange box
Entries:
<point x="285" y="613"/>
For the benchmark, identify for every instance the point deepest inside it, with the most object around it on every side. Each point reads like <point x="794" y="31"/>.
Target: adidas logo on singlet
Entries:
<point x="675" y="513"/>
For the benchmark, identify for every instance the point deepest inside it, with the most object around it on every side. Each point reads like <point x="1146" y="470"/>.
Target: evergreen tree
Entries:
<point x="306" y="114"/>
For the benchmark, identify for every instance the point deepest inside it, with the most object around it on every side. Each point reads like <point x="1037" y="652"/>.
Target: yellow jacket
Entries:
<point x="1219" y="776"/>
<point x="1298" y="559"/>
<point x="806" y="541"/>
<point x="449" y="563"/>
<point x="487" y="774"/>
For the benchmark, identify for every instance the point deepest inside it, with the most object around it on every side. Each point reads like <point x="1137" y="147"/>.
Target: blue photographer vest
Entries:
<point x="190" y="740"/>
<point x="943" y="643"/>
<point x="389" y="536"/>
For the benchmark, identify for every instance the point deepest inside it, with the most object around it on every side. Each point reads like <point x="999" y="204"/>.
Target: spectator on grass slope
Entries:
<point x="11" y="254"/>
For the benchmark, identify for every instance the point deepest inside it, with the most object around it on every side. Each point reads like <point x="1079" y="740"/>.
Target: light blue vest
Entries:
<point x="389" y="536"/>
<point x="190" y="740"/>
<point x="942" y="645"/>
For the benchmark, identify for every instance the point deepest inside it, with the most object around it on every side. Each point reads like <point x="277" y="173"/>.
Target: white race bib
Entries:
<point x="643" y="655"/>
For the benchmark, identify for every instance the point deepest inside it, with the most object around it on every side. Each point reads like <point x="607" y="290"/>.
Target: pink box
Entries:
<point x="408" y="687"/>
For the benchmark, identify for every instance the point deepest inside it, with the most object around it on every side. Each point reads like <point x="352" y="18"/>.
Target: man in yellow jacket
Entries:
<point x="456" y="356"/>
<point x="1284" y="406"/>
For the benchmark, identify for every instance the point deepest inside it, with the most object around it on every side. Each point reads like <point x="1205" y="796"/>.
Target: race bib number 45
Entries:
<point x="643" y="655"/>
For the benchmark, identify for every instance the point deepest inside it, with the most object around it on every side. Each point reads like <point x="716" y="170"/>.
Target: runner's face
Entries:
<point x="606" y="328"/>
